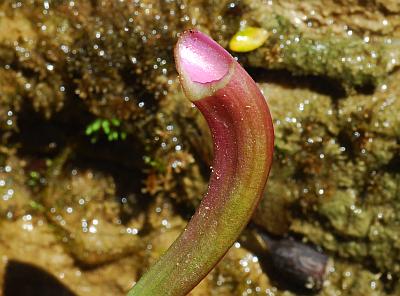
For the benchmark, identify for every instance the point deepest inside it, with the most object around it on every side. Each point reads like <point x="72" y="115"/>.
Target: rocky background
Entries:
<point x="103" y="160"/>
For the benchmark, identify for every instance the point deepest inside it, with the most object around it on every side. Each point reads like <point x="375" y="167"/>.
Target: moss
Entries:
<point x="12" y="90"/>
<point x="335" y="179"/>
<point x="352" y="280"/>
<point x="15" y="197"/>
<point x="273" y="212"/>
<point x="345" y="216"/>
<point x="87" y="199"/>
<point x="360" y="232"/>
<point x="240" y="272"/>
<point x="349" y="60"/>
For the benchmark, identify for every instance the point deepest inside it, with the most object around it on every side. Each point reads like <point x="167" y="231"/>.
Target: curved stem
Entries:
<point x="242" y="132"/>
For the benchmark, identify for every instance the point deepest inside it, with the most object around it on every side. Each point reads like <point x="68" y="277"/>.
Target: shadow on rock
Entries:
<point x="26" y="279"/>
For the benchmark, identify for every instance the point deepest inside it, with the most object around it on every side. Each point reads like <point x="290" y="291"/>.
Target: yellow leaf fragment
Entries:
<point x="248" y="39"/>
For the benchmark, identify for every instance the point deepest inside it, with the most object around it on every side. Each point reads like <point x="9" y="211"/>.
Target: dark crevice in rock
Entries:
<point x="29" y="280"/>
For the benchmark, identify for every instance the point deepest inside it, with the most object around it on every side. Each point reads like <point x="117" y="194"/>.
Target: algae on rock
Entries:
<point x="329" y="71"/>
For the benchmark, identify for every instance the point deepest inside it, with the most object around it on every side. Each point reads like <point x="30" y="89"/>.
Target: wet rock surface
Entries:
<point x="103" y="160"/>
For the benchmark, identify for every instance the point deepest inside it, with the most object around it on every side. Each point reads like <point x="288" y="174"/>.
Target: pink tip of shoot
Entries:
<point x="202" y="59"/>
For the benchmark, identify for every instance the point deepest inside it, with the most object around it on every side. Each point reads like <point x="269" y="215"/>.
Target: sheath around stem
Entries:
<point x="242" y="131"/>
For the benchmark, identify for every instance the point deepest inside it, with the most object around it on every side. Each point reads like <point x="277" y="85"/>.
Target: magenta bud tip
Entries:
<point x="200" y="58"/>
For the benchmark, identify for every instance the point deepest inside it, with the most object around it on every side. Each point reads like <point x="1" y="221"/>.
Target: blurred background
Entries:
<point x="103" y="160"/>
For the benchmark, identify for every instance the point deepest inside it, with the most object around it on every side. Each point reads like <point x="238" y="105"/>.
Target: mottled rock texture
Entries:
<point x="94" y="209"/>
